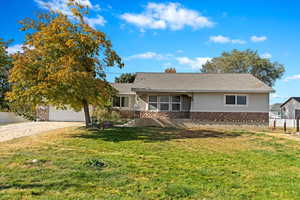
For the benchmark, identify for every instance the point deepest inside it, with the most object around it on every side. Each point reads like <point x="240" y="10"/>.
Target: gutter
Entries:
<point x="206" y="91"/>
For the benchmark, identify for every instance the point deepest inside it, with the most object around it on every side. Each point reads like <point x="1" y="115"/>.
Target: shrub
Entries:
<point x="101" y="115"/>
<point x="26" y="111"/>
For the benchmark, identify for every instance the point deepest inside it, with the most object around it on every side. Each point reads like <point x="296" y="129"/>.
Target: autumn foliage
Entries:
<point x="63" y="63"/>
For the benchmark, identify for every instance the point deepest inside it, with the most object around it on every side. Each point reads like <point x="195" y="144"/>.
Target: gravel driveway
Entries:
<point x="11" y="131"/>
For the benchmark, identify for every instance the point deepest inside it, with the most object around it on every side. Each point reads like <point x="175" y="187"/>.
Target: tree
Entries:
<point x="170" y="70"/>
<point x="247" y="61"/>
<point x="63" y="63"/>
<point x="5" y="66"/>
<point x="126" y="78"/>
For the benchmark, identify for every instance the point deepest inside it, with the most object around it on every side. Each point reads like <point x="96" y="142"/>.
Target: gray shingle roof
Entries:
<point x="296" y="98"/>
<point x="123" y="88"/>
<point x="198" y="82"/>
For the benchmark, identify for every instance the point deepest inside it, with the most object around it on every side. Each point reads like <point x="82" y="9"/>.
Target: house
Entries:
<point x="196" y="96"/>
<point x="275" y="111"/>
<point x="201" y="97"/>
<point x="291" y="108"/>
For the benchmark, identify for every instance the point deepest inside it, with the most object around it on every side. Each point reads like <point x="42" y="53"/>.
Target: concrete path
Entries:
<point x="11" y="131"/>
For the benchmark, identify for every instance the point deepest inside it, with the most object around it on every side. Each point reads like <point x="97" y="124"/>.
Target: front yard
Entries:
<point x="150" y="163"/>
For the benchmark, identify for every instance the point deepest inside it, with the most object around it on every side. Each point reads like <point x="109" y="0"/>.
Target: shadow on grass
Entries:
<point x="152" y="134"/>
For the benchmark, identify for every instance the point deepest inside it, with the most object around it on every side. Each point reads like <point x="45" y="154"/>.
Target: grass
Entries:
<point x="150" y="163"/>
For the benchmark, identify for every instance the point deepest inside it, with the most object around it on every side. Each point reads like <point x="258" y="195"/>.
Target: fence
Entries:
<point x="290" y="123"/>
<point x="9" y="117"/>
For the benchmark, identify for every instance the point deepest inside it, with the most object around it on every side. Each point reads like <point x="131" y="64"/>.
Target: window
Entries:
<point x="152" y="103"/>
<point x="164" y="103"/>
<point x="235" y="99"/>
<point x="230" y="99"/>
<point x="121" y="102"/>
<point x="241" y="100"/>
<point x="124" y="101"/>
<point x="116" y="102"/>
<point x="175" y="103"/>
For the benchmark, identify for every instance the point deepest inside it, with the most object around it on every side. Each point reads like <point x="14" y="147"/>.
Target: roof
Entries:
<point x="123" y="88"/>
<point x="199" y="82"/>
<point x="295" y="98"/>
<point x="275" y="107"/>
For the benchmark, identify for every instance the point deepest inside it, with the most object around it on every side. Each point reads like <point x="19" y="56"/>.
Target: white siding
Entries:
<point x="290" y="107"/>
<point x="9" y="117"/>
<point x="214" y="102"/>
<point x="65" y="115"/>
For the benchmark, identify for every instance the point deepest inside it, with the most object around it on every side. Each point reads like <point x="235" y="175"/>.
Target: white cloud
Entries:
<point x="223" y="39"/>
<point x="219" y="39"/>
<point x="17" y="48"/>
<point x="179" y="51"/>
<point x="193" y="63"/>
<point x="167" y="16"/>
<point x="258" y="39"/>
<point x="294" y="77"/>
<point x="14" y="49"/>
<point x="93" y="22"/>
<point x="150" y="55"/>
<point x="62" y="6"/>
<point x="266" y="55"/>
<point x="238" y="41"/>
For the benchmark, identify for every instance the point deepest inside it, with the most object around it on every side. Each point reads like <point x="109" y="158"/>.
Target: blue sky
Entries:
<point x="153" y="35"/>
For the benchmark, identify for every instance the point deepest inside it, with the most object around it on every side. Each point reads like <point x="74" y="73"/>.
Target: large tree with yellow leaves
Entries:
<point x="63" y="63"/>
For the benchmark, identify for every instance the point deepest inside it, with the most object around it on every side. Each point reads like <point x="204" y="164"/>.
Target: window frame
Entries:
<point x="236" y="103"/>
<point x="152" y="102"/>
<point x="163" y="102"/>
<point x="120" y="101"/>
<point x="170" y="103"/>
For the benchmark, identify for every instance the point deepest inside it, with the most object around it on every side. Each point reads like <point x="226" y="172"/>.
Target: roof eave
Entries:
<point x="194" y="91"/>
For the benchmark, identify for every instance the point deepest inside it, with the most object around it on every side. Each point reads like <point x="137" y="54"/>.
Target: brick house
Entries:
<point x="204" y="97"/>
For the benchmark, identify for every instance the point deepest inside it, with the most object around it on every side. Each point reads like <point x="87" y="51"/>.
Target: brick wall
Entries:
<point x="235" y="117"/>
<point x="129" y="114"/>
<point x="249" y="117"/>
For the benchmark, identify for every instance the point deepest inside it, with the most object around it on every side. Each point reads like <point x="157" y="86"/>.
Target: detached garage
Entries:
<point x="50" y="113"/>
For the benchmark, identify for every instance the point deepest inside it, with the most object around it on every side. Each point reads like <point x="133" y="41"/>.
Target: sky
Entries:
<point x="153" y="35"/>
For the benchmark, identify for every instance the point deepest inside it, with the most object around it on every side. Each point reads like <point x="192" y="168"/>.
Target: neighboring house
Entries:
<point x="275" y="111"/>
<point x="196" y="96"/>
<point x="291" y="108"/>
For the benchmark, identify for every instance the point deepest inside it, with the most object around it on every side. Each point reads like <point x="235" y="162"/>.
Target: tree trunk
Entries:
<point x="86" y="113"/>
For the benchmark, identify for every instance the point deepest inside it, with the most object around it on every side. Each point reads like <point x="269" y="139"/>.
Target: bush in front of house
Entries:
<point x="104" y="117"/>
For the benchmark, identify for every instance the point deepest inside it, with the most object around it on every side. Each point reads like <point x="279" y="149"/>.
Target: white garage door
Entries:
<point x="65" y="115"/>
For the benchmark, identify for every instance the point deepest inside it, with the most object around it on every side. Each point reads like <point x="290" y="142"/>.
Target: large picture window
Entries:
<point x="164" y="103"/>
<point x="235" y="99"/>
<point x="176" y="103"/>
<point x="121" y="102"/>
<point x="153" y="100"/>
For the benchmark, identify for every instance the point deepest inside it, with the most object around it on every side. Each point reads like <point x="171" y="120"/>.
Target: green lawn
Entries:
<point x="150" y="163"/>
